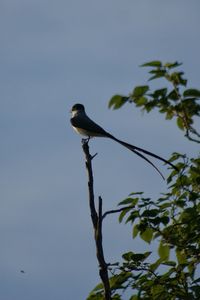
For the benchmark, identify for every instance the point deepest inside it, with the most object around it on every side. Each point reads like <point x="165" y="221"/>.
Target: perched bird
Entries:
<point x="83" y="125"/>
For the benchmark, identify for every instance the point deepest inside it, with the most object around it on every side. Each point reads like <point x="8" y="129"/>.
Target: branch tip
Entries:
<point x="93" y="156"/>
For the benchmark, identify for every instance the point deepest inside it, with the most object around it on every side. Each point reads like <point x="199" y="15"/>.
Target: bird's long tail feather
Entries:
<point x="137" y="151"/>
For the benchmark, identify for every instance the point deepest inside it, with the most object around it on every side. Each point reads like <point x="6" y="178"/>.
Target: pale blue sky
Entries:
<point x="54" y="54"/>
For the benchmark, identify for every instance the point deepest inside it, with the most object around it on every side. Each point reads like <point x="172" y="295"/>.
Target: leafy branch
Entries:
<point x="177" y="102"/>
<point x="171" y="222"/>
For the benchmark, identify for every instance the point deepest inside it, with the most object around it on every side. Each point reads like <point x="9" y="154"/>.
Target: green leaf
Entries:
<point x="115" y="297"/>
<point x="136" y="193"/>
<point x="169" y="115"/>
<point x="128" y="256"/>
<point x="176" y="156"/>
<point x="117" y="101"/>
<point x="146" y="254"/>
<point x="176" y="78"/>
<point x="165" y="205"/>
<point x="134" y="297"/>
<point x="116" y="282"/>
<point x="173" y="95"/>
<point x="140" y="256"/>
<point x="98" y="287"/>
<point x="192" y="93"/>
<point x="150" y="213"/>
<point x="136" y="257"/>
<point x="165" y="220"/>
<point x="156" y="220"/>
<point x="180" y="123"/>
<point x="157" y="291"/>
<point x="131" y="201"/>
<point x="153" y="63"/>
<point x="96" y="296"/>
<point x="164" y="251"/>
<point x="155" y="265"/>
<point x="123" y="213"/>
<point x="135" y="231"/>
<point x="191" y="269"/>
<point x="158" y="74"/>
<point x="133" y="215"/>
<point x="139" y="91"/>
<point x="140" y="101"/>
<point x="160" y="93"/>
<point x="181" y="256"/>
<point x="172" y="65"/>
<point x="147" y="235"/>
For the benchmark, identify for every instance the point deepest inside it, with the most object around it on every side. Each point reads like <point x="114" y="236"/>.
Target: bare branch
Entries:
<point x="189" y="131"/>
<point x="97" y="222"/>
<point x="113" y="211"/>
<point x="88" y="163"/>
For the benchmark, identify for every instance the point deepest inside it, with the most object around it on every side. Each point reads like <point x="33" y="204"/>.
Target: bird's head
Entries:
<point x="77" y="109"/>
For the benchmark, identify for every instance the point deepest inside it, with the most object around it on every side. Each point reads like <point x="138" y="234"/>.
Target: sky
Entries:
<point x="54" y="54"/>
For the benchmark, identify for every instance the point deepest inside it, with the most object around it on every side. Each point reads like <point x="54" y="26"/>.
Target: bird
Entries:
<point x="83" y="125"/>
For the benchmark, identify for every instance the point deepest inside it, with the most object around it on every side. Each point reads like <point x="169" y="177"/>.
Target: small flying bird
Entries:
<point x="83" y="125"/>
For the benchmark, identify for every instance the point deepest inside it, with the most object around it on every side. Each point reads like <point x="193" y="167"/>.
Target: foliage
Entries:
<point x="171" y="222"/>
<point x="175" y="101"/>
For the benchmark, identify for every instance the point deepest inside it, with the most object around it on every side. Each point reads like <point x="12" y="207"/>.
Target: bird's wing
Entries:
<point x="87" y="124"/>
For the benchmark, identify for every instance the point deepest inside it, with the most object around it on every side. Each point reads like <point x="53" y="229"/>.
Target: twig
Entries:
<point x="113" y="211"/>
<point x="97" y="223"/>
<point x="189" y="130"/>
<point x="193" y="131"/>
